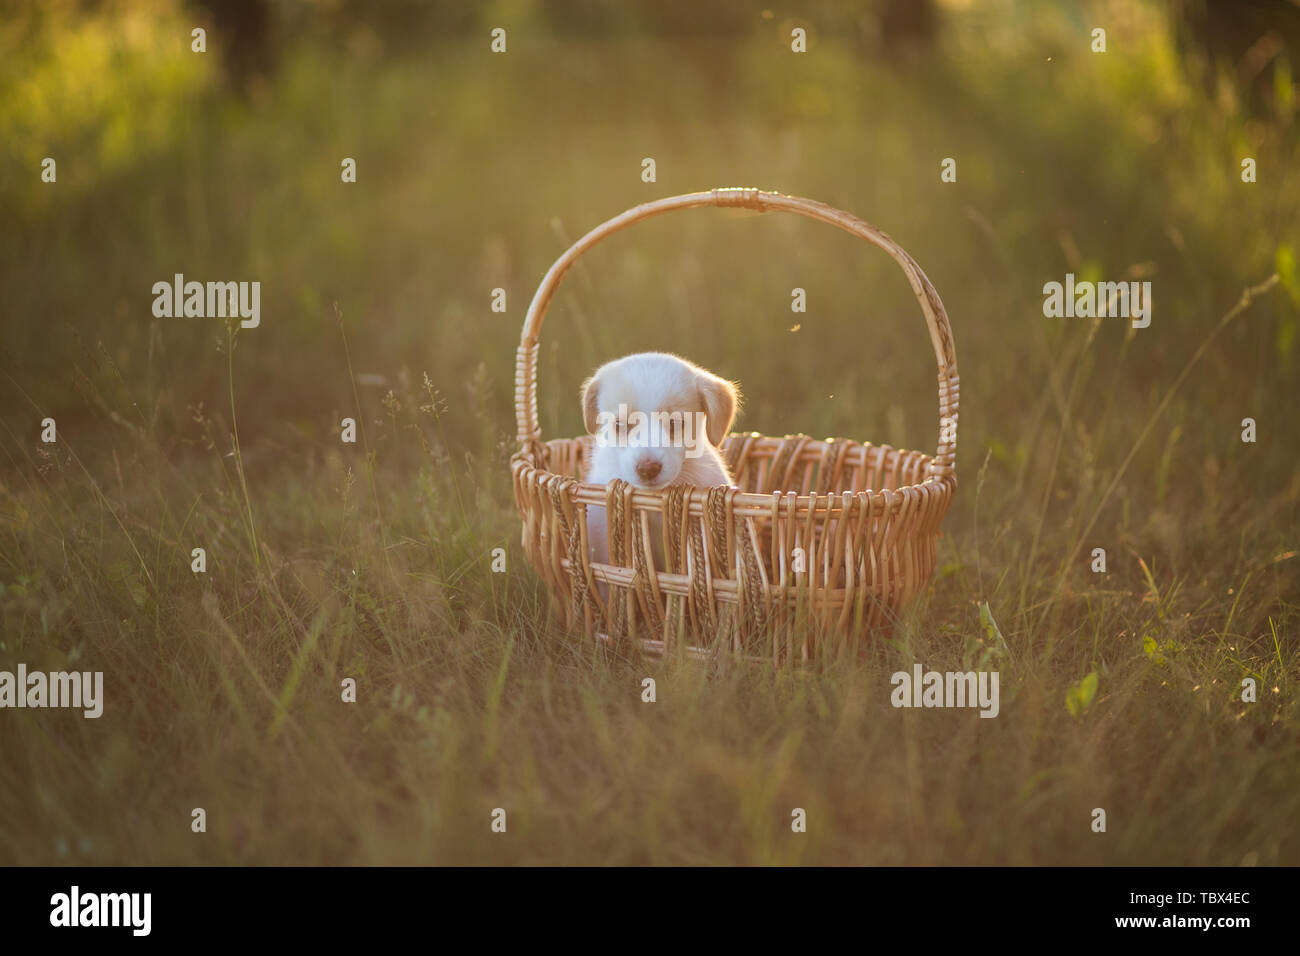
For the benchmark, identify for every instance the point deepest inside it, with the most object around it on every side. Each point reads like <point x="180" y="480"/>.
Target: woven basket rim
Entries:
<point x="594" y="493"/>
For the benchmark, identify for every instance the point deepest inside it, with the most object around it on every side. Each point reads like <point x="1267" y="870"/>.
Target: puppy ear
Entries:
<point x="721" y="399"/>
<point x="591" y="403"/>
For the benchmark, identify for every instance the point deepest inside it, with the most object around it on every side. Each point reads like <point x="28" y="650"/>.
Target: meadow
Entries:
<point x="372" y="561"/>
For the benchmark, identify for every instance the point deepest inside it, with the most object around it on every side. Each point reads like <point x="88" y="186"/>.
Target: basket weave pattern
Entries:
<point x="864" y="517"/>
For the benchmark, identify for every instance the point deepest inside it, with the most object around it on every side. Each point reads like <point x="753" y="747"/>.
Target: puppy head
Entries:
<point x="652" y="412"/>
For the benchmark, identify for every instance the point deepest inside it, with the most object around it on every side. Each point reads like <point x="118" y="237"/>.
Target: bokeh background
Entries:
<point x="474" y="171"/>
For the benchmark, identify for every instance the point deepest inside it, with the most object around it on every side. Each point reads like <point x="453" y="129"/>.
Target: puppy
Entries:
<point x="658" y="421"/>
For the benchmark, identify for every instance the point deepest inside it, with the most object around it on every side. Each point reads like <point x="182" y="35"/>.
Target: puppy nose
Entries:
<point x="648" y="469"/>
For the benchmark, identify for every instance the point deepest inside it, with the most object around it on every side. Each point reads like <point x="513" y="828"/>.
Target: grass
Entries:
<point x="372" y="561"/>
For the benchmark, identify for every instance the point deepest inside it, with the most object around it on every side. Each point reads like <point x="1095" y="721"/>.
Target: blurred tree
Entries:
<point x="1253" y="41"/>
<point x="907" y="25"/>
<point x="247" y="53"/>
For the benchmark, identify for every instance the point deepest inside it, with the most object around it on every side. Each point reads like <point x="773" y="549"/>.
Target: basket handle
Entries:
<point x="748" y="198"/>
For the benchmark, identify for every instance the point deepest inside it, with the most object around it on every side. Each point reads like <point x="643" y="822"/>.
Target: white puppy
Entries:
<point x="658" y="421"/>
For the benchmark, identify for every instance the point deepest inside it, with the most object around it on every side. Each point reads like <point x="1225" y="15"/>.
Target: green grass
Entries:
<point x="372" y="561"/>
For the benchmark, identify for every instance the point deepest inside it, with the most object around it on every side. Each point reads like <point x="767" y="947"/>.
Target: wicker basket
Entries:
<point x="865" y="516"/>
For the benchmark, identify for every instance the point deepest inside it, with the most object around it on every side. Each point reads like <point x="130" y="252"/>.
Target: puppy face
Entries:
<point x="653" y="414"/>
